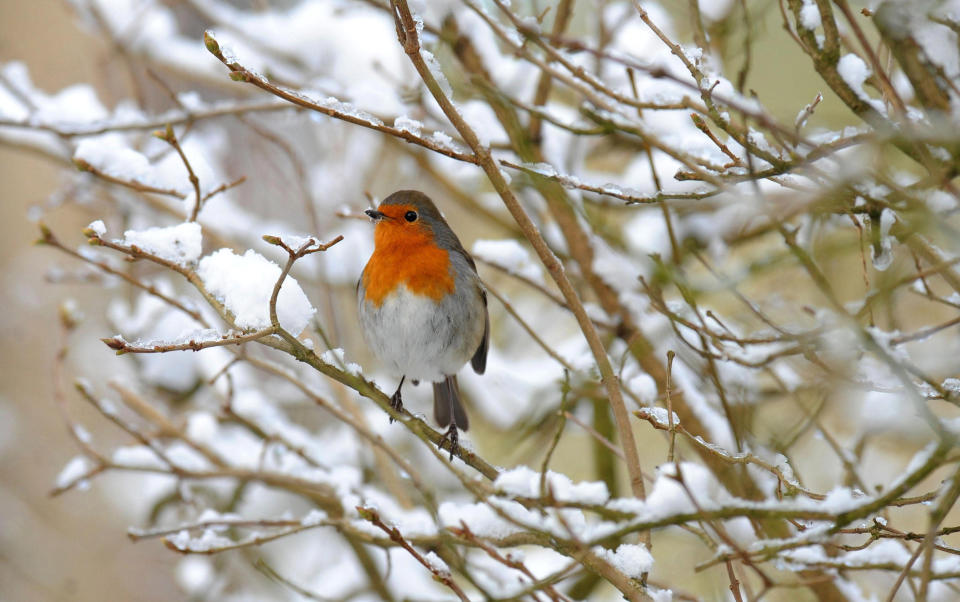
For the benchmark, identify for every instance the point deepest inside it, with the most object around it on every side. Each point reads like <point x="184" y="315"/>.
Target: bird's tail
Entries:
<point x="446" y="403"/>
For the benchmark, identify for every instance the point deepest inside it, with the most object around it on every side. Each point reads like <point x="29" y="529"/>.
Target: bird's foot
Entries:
<point x="396" y="402"/>
<point x="452" y="439"/>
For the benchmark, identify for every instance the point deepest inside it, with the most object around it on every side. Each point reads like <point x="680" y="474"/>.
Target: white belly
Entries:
<point x="416" y="337"/>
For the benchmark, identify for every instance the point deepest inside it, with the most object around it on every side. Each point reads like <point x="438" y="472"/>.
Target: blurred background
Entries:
<point x="68" y="547"/>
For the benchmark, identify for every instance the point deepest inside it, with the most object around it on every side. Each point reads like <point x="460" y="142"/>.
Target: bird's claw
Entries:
<point x="396" y="402"/>
<point x="452" y="438"/>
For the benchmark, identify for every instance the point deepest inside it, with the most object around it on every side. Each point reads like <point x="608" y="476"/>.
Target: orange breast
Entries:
<point x="405" y="254"/>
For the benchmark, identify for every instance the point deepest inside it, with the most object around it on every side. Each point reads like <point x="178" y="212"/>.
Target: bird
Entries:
<point x="422" y="307"/>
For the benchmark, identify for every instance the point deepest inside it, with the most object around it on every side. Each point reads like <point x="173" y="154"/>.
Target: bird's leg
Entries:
<point x="396" y="402"/>
<point x="453" y="437"/>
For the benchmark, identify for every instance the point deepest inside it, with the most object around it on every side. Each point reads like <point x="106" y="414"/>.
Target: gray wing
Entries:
<point x="479" y="359"/>
<point x="450" y="240"/>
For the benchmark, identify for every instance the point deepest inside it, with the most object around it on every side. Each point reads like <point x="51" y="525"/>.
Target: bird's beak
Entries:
<point x="375" y="215"/>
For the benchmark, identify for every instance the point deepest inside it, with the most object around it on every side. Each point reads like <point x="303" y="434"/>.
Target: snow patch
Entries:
<point x="75" y="469"/>
<point x="98" y="227"/>
<point x="244" y="284"/>
<point x="525" y="482"/>
<point x="182" y="244"/>
<point x="810" y="15"/>
<point x="630" y="559"/>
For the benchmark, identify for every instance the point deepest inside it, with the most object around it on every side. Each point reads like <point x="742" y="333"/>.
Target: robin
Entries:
<point x="423" y="310"/>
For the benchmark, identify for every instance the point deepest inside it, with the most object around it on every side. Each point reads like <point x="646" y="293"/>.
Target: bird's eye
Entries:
<point x="410" y="216"/>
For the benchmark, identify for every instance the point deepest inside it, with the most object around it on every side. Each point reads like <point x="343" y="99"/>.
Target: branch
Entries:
<point x="439" y="142"/>
<point x="121" y="346"/>
<point x="440" y="573"/>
